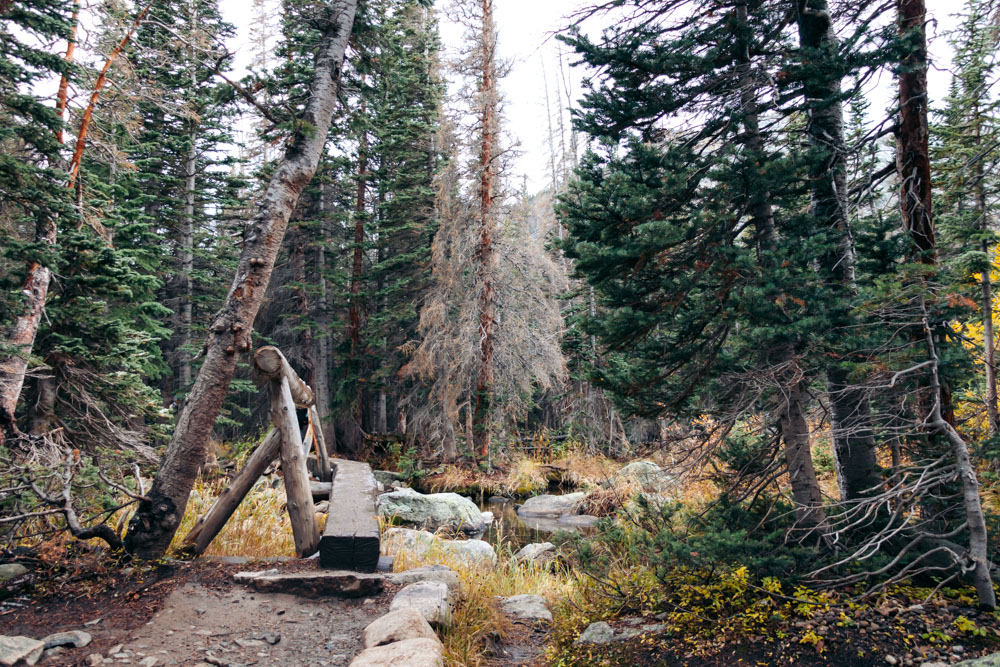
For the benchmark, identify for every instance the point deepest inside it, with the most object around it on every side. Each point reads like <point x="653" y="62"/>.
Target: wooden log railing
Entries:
<point x="286" y="392"/>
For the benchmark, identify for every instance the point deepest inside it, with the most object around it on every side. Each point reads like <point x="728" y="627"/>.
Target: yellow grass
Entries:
<point x="259" y="528"/>
<point x="477" y="615"/>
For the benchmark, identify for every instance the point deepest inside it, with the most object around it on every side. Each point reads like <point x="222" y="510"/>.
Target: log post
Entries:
<point x="209" y="525"/>
<point x="272" y="365"/>
<point x="285" y="389"/>
<point x="323" y="456"/>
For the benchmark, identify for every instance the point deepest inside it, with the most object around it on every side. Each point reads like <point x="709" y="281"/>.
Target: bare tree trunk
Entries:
<point x="974" y="517"/>
<point x="484" y="252"/>
<point x="157" y="518"/>
<point x="187" y="267"/>
<point x="853" y="438"/>
<point x="810" y="517"/>
<point x="986" y="302"/>
<point x="321" y="341"/>
<point x="354" y="314"/>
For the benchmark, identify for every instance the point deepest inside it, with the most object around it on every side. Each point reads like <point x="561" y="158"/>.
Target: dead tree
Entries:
<point x="157" y="518"/>
<point x="487" y="229"/>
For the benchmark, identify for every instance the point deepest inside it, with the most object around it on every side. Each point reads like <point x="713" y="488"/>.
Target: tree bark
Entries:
<point x="321" y="340"/>
<point x="971" y="503"/>
<point x="298" y="494"/>
<point x="853" y="437"/>
<point x="484" y="252"/>
<point x="157" y="518"/>
<point x="809" y="513"/>
<point x="187" y="265"/>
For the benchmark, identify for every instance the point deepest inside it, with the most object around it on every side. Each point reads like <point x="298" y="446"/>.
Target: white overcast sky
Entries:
<point x="525" y="28"/>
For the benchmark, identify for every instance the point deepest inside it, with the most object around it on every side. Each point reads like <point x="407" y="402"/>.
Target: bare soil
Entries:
<point x="185" y="614"/>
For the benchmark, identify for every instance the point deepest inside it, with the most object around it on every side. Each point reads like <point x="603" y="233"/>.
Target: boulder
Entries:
<point x="407" y="653"/>
<point x="74" y="638"/>
<point x="445" y="575"/>
<point x="526" y="608"/>
<point x="432" y="511"/>
<point x="423" y="544"/>
<point x="431" y="598"/>
<point x="315" y="583"/>
<point x="15" y="649"/>
<point x="992" y="660"/>
<point x="487" y="519"/>
<point x="387" y="477"/>
<point x="418" y="542"/>
<point x="473" y="553"/>
<point x="647" y="475"/>
<point x="552" y="506"/>
<point x="397" y="626"/>
<point x="596" y="633"/>
<point x="12" y="571"/>
<point x="538" y="553"/>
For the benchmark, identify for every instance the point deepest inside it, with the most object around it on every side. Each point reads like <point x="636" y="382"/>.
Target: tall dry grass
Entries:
<point x="477" y="619"/>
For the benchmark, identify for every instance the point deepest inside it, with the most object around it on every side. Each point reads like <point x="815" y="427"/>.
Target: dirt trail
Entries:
<point x="243" y="627"/>
<point x="195" y="614"/>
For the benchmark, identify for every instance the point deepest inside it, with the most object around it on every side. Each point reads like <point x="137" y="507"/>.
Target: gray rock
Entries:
<point x="474" y="553"/>
<point x="578" y="521"/>
<point x="526" y="608"/>
<point x="317" y="583"/>
<point x="408" y="653"/>
<point x="14" y="649"/>
<point x="322" y="507"/>
<point x="487" y="518"/>
<point x="597" y="633"/>
<point x="12" y="571"/>
<point x="649" y="476"/>
<point x="539" y="553"/>
<point x="387" y="477"/>
<point x="397" y="626"/>
<point x="992" y="660"/>
<point x="552" y="506"/>
<point x="149" y="661"/>
<point x="431" y="598"/>
<point x="74" y="638"/>
<point x="423" y="544"/>
<point x="432" y="511"/>
<point x="445" y="575"/>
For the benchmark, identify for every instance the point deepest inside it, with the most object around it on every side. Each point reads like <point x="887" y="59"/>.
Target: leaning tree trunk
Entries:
<point x="850" y="411"/>
<point x="157" y="518"/>
<point x="484" y="251"/>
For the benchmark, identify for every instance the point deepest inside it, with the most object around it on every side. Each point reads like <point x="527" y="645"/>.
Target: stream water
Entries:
<point x="511" y="531"/>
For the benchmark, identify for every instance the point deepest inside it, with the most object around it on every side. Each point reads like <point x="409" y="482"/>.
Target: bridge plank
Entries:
<point x="351" y="538"/>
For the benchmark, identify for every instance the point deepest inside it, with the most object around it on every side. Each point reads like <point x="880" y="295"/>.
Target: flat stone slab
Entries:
<point x="431" y="598"/>
<point x="397" y="626"/>
<point x="526" y="608"/>
<point x="326" y="583"/>
<point x="596" y="633"/>
<point x="407" y="653"/>
<point x="15" y="649"/>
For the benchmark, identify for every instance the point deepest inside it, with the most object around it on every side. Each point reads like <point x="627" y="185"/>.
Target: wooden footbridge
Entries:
<point x="350" y="540"/>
